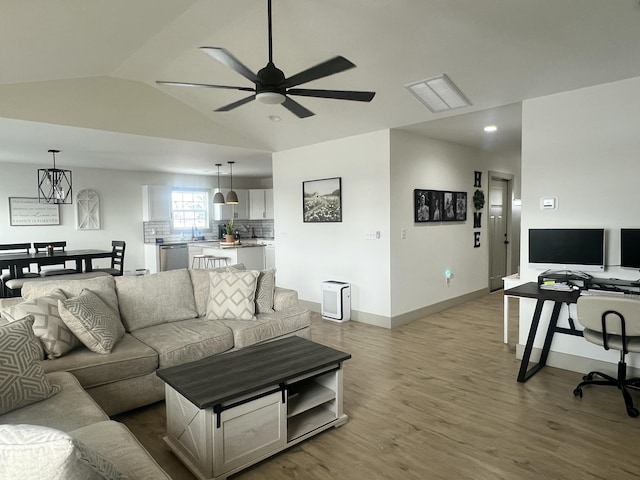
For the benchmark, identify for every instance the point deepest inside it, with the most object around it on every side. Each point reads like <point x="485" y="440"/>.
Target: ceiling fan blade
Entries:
<point x="223" y="56"/>
<point x="236" y="104"/>
<point x="206" y="85"/>
<point x="335" y="65"/>
<point x="335" y="94"/>
<point x="297" y="109"/>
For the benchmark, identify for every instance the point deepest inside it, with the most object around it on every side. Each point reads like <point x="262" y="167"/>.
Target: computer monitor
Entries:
<point x="577" y="249"/>
<point x="630" y="248"/>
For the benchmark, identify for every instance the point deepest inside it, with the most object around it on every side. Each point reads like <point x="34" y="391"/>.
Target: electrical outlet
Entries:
<point x="403" y="233"/>
<point x="370" y="235"/>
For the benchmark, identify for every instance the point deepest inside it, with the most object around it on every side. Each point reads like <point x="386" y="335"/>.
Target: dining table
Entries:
<point x="16" y="262"/>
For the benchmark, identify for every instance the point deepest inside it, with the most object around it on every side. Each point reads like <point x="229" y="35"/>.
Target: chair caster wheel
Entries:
<point x="633" y="412"/>
<point x="578" y="393"/>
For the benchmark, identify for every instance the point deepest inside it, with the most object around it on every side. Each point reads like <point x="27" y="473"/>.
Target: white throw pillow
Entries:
<point x="92" y="321"/>
<point x="33" y="452"/>
<point x="48" y="326"/>
<point x="232" y="295"/>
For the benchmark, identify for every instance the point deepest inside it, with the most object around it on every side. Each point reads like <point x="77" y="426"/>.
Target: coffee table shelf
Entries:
<point x="218" y="425"/>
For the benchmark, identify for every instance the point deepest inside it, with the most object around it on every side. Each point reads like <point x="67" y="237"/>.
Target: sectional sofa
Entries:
<point x="125" y="328"/>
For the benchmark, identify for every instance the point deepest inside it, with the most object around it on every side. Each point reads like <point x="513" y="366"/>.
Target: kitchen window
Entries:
<point x="189" y="209"/>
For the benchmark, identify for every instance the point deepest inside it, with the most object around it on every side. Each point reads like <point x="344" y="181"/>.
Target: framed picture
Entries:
<point x="322" y="200"/>
<point x="439" y="206"/>
<point x="26" y="211"/>
<point x="461" y="206"/>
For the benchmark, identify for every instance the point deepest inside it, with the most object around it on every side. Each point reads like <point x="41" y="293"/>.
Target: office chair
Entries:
<point x="117" y="259"/>
<point x="612" y="322"/>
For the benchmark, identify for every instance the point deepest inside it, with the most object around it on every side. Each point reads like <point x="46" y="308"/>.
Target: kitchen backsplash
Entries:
<point x="247" y="229"/>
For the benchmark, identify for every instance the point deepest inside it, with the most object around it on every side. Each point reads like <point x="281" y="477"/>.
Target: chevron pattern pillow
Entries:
<point x="34" y="452"/>
<point x="22" y="379"/>
<point x="232" y="295"/>
<point x="92" y="321"/>
<point x="55" y="336"/>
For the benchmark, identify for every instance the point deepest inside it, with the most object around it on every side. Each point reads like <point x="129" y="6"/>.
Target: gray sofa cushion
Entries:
<point x="71" y="408"/>
<point x="200" y="281"/>
<point x="268" y="326"/>
<point x="186" y="340"/>
<point x="147" y="300"/>
<point x="115" y="442"/>
<point x="104" y="287"/>
<point x="129" y="358"/>
<point x="33" y="452"/>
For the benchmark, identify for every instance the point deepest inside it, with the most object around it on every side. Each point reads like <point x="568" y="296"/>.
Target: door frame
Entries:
<point x="509" y="178"/>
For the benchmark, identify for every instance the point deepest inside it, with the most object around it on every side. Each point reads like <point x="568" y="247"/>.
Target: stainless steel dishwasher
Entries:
<point x="173" y="257"/>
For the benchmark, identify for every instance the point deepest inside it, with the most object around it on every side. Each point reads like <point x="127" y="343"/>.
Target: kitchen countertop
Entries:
<point x="250" y="242"/>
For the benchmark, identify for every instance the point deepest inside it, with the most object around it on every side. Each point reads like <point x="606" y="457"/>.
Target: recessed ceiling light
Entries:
<point x="490" y="128"/>
<point x="274" y="118"/>
<point x="438" y="94"/>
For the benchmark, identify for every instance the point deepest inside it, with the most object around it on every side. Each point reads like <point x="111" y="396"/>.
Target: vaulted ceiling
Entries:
<point x="80" y="75"/>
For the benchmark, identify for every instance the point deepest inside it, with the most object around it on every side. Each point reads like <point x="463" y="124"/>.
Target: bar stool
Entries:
<point x="209" y="261"/>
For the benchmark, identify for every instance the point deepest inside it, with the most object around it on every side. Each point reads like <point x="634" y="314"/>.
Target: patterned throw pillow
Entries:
<point x="55" y="336"/>
<point x="232" y="295"/>
<point x="33" y="452"/>
<point x="22" y="379"/>
<point x="92" y="321"/>
<point x="264" y="291"/>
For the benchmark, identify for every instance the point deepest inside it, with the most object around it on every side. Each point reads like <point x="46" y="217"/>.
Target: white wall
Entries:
<point x="418" y="263"/>
<point x="309" y="253"/>
<point x="120" y="207"/>
<point x="390" y="277"/>
<point x="581" y="147"/>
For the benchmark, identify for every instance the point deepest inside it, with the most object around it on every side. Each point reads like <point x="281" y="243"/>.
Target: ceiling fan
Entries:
<point x="271" y="85"/>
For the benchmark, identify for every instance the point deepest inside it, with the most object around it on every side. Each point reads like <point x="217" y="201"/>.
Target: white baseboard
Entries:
<point x="408" y="317"/>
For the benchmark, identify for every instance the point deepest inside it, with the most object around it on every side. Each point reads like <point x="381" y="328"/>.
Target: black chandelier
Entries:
<point x="54" y="184"/>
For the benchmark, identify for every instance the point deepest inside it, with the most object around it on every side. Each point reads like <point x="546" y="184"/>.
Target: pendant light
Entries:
<point x="232" y="197"/>
<point x="54" y="184"/>
<point x="218" y="198"/>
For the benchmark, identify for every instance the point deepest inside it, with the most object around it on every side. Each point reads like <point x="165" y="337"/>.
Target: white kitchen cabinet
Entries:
<point x="268" y="203"/>
<point x="260" y="204"/>
<point x="237" y="212"/>
<point x="156" y="203"/>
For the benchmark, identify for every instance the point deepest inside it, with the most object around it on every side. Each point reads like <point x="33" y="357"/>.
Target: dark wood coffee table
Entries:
<point x="229" y="411"/>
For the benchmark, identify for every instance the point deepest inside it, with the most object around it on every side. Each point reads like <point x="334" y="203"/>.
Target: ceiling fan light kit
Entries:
<point x="272" y="87"/>
<point x="270" y="98"/>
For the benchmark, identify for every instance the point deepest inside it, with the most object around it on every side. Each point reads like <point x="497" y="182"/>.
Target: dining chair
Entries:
<point x="117" y="259"/>
<point x="7" y="274"/>
<point x="49" y="270"/>
<point x="613" y="322"/>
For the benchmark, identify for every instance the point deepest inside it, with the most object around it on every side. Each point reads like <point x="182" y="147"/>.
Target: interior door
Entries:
<point x="498" y="231"/>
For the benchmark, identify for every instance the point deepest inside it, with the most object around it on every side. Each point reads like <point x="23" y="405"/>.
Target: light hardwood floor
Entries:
<point x="438" y="399"/>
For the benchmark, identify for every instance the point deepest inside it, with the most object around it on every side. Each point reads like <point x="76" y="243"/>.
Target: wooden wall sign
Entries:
<point x="25" y="211"/>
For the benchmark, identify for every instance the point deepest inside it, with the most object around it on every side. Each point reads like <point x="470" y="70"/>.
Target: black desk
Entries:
<point x="15" y="262"/>
<point x="531" y="290"/>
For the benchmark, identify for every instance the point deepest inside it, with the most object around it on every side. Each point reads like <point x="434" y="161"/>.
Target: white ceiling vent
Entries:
<point x="438" y="94"/>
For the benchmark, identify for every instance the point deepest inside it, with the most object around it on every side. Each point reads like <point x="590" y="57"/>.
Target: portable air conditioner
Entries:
<point x="336" y="301"/>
